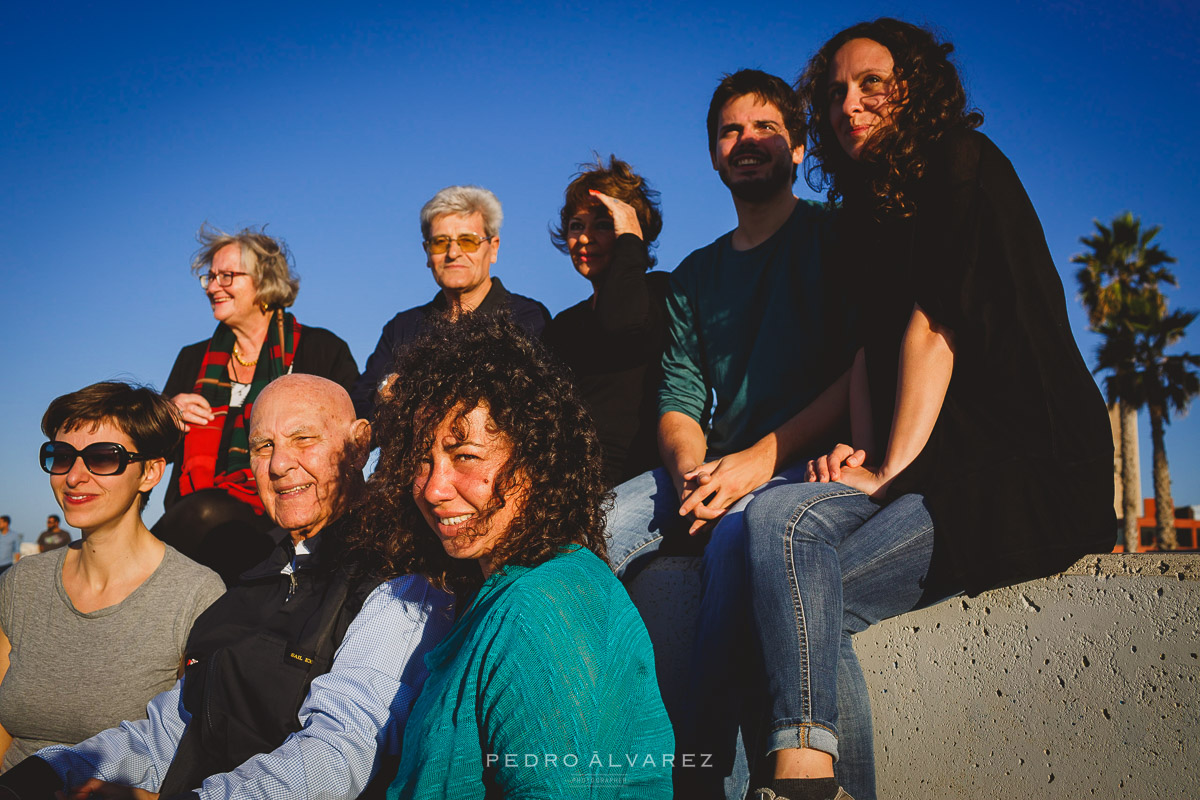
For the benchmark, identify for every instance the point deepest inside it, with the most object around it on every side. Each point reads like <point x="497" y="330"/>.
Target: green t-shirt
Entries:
<point x="545" y="688"/>
<point x="762" y="328"/>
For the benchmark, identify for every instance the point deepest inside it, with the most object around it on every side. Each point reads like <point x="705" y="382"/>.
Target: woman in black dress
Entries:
<point x="613" y="341"/>
<point x="980" y="452"/>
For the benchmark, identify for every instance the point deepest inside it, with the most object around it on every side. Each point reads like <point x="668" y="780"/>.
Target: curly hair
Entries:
<point x="932" y="104"/>
<point x="267" y="260"/>
<point x="555" y="464"/>
<point x="615" y="180"/>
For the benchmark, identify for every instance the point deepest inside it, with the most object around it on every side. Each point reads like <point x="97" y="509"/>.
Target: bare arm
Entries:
<point x="926" y="364"/>
<point x="721" y="483"/>
<point x="5" y="650"/>
<point x="681" y="444"/>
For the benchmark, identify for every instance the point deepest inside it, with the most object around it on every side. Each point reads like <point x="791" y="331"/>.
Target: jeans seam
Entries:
<point x="797" y="603"/>
<point x="625" y="561"/>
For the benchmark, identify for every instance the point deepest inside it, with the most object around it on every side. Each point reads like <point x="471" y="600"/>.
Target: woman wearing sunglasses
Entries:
<point x="89" y="633"/>
<point x="213" y="513"/>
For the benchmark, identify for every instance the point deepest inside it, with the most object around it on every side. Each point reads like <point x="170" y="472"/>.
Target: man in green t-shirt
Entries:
<point x="752" y="343"/>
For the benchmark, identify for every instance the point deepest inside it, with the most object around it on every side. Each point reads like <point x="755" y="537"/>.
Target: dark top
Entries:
<point x="52" y="540"/>
<point x="1017" y="472"/>
<point x="754" y="336"/>
<point x="614" y="351"/>
<point x="253" y="654"/>
<point x="320" y="353"/>
<point x="406" y="326"/>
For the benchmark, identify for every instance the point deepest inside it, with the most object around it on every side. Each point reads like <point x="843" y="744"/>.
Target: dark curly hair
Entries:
<point x="456" y="367"/>
<point x="932" y="104"/>
<point x="615" y="180"/>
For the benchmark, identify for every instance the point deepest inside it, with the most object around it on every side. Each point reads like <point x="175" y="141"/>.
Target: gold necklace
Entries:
<point x="238" y="357"/>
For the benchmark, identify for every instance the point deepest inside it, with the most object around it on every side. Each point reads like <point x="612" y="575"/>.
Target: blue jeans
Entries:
<point x="825" y="563"/>
<point x="723" y="654"/>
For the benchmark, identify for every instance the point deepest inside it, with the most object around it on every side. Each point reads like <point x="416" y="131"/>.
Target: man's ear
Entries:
<point x="360" y="437"/>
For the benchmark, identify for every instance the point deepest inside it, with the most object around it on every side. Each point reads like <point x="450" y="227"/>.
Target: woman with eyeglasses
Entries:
<point x="613" y="341"/>
<point x="980" y="452"/>
<point x="89" y="633"/>
<point x="213" y="513"/>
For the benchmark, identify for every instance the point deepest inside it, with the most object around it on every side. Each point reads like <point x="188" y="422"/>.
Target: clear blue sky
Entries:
<point x="124" y="126"/>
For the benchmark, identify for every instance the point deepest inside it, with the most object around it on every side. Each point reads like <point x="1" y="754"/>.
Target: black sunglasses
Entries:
<point x="101" y="458"/>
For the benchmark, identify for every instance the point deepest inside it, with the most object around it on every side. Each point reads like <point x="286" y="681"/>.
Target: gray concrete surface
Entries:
<point x="1080" y="685"/>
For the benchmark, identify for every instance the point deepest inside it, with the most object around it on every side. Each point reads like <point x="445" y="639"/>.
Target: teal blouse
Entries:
<point x="544" y="688"/>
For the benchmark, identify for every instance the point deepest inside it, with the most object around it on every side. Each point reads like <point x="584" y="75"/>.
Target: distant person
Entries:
<point x="10" y="543"/>
<point x="53" y="537"/>
<point x="460" y="229"/>
<point x="489" y="479"/>
<point x="299" y="680"/>
<point x="213" y="512"/>
<point x="613" y="340"/>
<point x="90" y="632"/>
<point x="980" y="452"/>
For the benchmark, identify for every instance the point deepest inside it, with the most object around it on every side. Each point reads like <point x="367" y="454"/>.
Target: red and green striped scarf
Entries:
<point x="202" y="443"/>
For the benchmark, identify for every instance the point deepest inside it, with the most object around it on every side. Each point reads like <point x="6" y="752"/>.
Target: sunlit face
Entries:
<point x="590" y="240"/>
<point x="754" y="155"/>
<point x="299" y="439"/>
<point x="237" y="302"/>
<point x="456" y="487"/>
<point x="96" y="502"/>
<point x="862" y="92"/>
<point x="457" y="272"/>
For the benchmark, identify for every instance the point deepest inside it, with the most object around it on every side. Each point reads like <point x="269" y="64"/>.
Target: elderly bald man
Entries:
<point x="234" y="725"/>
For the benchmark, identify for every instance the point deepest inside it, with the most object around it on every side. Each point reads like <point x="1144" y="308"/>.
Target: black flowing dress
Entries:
<point x="1017" y="473"/>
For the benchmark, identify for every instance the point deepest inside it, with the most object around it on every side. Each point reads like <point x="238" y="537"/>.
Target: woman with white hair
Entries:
<point x="213" y="511"/>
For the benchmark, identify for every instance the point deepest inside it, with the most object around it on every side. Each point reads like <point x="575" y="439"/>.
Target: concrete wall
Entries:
<point x="1080" y="685"/>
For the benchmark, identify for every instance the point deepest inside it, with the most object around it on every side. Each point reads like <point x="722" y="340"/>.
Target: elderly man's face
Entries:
<point x="304" y="447"/>
<point x="455" y="270"/>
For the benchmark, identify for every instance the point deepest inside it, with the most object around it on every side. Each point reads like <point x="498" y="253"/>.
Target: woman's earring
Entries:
<point x="263" y="305"/>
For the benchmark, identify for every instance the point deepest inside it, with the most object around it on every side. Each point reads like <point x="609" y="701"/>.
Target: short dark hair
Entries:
<point x="766" y="87"/>
<point x="142" y="414"/>
<point x="54" y="517"/>
<point x="485" y="360"/>
<point x="615" y="180"/>
<point x="6" y="518"/>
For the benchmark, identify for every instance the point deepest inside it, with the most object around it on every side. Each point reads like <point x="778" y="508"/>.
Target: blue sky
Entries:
<point x="124" y="127"/>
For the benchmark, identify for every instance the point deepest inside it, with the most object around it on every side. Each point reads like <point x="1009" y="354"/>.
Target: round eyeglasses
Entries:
<point x="100" y="458"/>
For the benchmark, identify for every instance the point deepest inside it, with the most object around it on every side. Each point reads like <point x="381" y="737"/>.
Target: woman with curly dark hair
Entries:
<point x="613" y="341"/>
<point x="489" y="482"/>
<point x="980" y="451"/>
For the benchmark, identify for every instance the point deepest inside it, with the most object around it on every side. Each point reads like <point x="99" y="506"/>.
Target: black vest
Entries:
<point x="252" y="656"/>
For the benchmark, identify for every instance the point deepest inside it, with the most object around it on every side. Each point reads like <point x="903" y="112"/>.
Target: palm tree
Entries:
<point x="1123" y="268"/>
<point x="1134" y="350"/>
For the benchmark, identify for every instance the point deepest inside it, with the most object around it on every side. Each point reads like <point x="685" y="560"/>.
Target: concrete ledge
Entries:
<point x="1084" y="684"/>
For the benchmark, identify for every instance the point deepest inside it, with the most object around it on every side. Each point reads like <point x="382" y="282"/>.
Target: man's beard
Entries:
<point x="757" y="190"/>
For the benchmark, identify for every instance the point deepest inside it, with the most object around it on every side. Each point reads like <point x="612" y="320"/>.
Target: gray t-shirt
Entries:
<point x="72" y="675"/>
